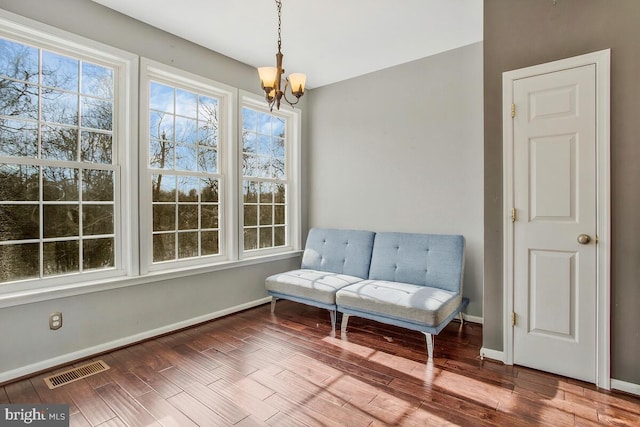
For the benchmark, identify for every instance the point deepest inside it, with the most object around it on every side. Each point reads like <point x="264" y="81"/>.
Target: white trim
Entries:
<point x="155" y="71"/>
<point x="487" y="353"/>
<point x="125" y="66"/>
<point x="625" y="386"/>
<point x="121" y="342"/>
<point x="602" y="60"/>
<point x="294" y="175"/>
<point x="54" y="292"/>
<point x="472" y="319"/>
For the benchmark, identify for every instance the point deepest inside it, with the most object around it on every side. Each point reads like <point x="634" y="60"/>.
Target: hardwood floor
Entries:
<point x="252" y="368"/>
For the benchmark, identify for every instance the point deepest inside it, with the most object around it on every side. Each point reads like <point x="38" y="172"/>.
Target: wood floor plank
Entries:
<point x="311" y="397"/>
<point x="197" y="357"/>
<point x="22" y="392"/>
<point x="550" y="380"/>
<point x="208" y="339"/>
<point x="256" y="407"/>
<point x="251" y="421"/>
<point x="302" y="413"/>
<point x="282" y="419"/>
<point x="536" y="411"/>
<point x="318" y="390"/>
<point x="4" y="399"/>
<point x="78" y="420"/>
<point x="549" y="408"/>
<point x="618" y="417"/>
<point x="216" y="402"/>
<point x="190" y="366"/>
<point x="621" y="401"/>
<point x="125" y="406"/>
<point x="438" y="401"/>
<point x="151" y="357"/>
<point x="121" y="375"/>
<point x="89" y="402"/>
<point x="113" y="422"/>
<point x="196" y="411"/>
<point x="477" y="369"/>
<point x="224" y="359"/>
<point x="335" y="358"/>
<point x="156" y="381"/>
<point x="96" y="380"/>
<point x="163" y="411"/>
<point x="253" y="388"/>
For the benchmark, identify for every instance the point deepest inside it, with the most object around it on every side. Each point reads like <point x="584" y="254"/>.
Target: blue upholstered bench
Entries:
<point x="332" y="259"/>
<point x="415" y="281"/>
<point x="405" y="279"/>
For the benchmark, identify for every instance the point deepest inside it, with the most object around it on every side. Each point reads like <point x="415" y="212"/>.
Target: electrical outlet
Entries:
<point x="55" y="320"/>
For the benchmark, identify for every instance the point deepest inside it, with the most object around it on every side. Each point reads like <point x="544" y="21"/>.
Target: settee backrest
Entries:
<point x="434" y="260"/>
<point x="339" y="251"/>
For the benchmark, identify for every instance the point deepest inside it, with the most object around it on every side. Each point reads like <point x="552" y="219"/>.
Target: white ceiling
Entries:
<point x="329" y="40"/>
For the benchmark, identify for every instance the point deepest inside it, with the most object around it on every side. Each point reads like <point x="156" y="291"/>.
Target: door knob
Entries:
<point x="583" y="239"/>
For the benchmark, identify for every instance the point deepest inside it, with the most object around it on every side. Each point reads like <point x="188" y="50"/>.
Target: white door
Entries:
<point x="554" y="234"/>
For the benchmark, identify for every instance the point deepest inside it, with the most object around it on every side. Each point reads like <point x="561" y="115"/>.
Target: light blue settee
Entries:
<point x="405" y="279"/>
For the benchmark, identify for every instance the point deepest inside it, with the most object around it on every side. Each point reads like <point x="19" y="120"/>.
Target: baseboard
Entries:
<point x="625" y="386"/>
<point x="101" y="348"/>
<point x="472" y="319"/>
<point x="491" y="354"/>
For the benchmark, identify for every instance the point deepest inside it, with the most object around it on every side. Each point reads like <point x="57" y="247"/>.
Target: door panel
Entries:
<point x="552" y="178"/>
<point x="552" y="294"/>
<point x="555" y="195"/>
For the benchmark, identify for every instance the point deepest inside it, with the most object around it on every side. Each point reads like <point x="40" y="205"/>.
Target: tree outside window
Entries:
<point x="264" y="179"/>
<point x="57" y="198"/>
<point x="184" y="172"/>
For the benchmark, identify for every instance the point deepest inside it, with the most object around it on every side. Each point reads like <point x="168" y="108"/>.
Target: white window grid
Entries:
<point x="203" y="229"/>
<point x="86" y="54"/>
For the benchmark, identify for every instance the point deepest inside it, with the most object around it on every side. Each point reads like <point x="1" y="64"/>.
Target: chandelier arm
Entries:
<point x="284" y="94"/>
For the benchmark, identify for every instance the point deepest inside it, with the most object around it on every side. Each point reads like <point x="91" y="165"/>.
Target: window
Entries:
<point x="60" y="198"/>
<point x="80" y="205"/>
<point x="185" y="134"/>
<point x="269" y="178"/>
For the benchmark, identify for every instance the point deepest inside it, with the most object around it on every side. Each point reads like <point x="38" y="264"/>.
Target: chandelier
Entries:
<point x="271" y="77"/>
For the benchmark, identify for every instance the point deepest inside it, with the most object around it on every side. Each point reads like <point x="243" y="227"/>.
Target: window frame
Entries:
<point x="293" y="161"/>
<point x="125" y="65"/>
<point x="128" y="103"/>
<point x="153" y="71"/>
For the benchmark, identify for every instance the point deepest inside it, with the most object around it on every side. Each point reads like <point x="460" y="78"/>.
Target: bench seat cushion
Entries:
<point x="308" y="284"/>
<point x="418" y="304"/>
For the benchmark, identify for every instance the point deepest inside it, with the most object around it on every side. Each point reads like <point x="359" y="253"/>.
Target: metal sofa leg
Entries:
<point x="429" y="338"/>
<point x="273" y="305"/>
<point x="332" y="313"/>
<point x="343" y="326"/>
<point x="461" y="318"/>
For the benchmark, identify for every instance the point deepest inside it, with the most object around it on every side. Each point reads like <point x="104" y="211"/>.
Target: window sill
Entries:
<point x="48" y="293"/>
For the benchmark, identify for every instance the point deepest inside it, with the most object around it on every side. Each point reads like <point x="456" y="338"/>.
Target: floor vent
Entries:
<point x="75" y="374"/>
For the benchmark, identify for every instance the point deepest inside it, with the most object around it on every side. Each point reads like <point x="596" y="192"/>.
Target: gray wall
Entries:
<point x="527" y="32"/>
<point x="103" y="317"/>
<point x="401" y="150"/>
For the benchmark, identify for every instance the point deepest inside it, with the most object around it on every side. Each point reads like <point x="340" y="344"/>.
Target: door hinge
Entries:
<point x="513" y="318"/>
<point x="513" y="110"/>
<point x="514" y="214"/>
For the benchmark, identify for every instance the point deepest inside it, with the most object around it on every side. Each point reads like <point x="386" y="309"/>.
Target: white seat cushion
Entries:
<point x="310" y="284"/>
<point x="413" y="303"/>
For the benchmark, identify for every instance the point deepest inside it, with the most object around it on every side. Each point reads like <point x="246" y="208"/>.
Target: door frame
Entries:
<point x="602" y="61"/>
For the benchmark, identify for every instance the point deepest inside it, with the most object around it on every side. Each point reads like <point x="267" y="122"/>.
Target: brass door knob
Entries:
<point x="583" y="239"/>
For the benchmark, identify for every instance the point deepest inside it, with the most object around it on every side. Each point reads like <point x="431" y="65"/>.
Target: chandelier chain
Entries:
<point x="279" y="5"/>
